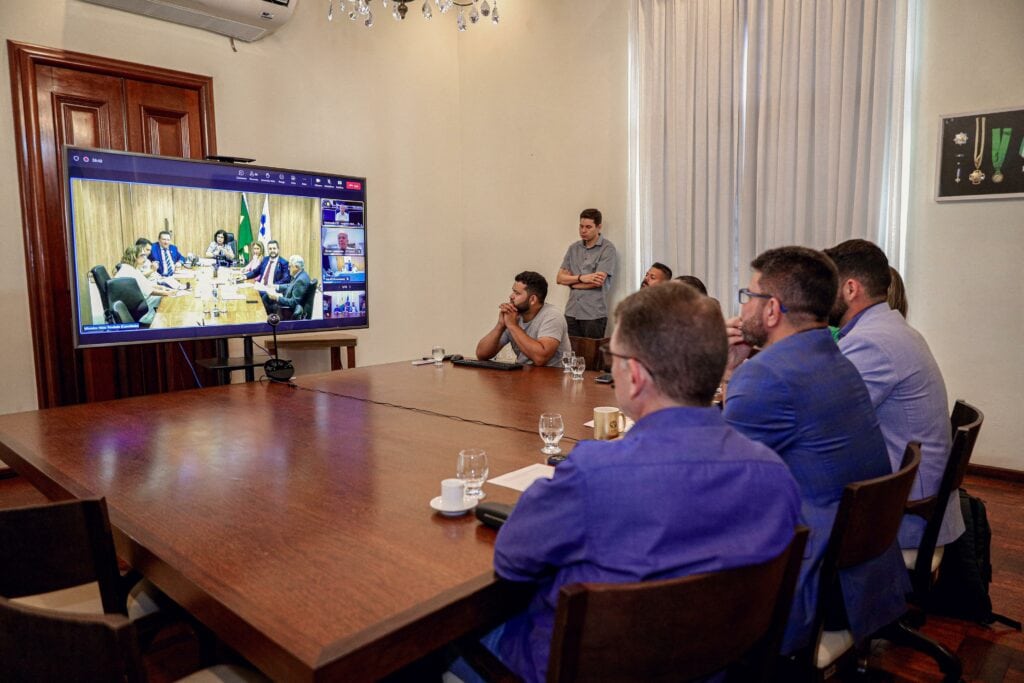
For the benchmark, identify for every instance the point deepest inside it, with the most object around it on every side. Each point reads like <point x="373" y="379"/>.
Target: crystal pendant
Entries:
<point x="445" y="6"/>
<point x="384" y="3"/>
<point x="474" y="16"/>
<point x="494" y="14"/>
<point x="395" y="14"/>
<point x="330" y="10"/>
<point x="354" y="14"/>
<point x="485" y="9"/>
<point x="364" y="8"/>
<point x="427" y="13"/>
<point x="369" y="20"/>
<point x="460" y="23"/>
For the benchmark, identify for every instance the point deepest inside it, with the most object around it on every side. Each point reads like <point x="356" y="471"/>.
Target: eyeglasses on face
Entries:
<point x="745" y="295"/>
<point x="607" y="356"/>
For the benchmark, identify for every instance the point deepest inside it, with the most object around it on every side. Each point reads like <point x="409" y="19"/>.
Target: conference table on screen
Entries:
<point x="294" y="520"/>
<point x="234" y="303"/>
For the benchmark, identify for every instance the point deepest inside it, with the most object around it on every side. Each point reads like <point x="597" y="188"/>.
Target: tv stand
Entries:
<point x="225" y="365"/>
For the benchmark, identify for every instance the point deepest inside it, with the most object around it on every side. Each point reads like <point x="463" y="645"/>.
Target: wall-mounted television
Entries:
<point x="163" y="248"/>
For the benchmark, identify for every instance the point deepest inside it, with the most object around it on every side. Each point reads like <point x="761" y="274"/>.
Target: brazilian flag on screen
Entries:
<point x="244" y="231"/>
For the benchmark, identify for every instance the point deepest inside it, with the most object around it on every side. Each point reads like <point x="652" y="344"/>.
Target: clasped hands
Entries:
<point x="508" y="316"/>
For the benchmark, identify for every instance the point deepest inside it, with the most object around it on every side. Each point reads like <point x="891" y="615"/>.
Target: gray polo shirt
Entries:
<point x="589" y="304"/>
<point x="547" y="323"/>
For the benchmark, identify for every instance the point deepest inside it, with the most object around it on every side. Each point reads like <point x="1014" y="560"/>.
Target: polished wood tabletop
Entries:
<point x="293" y="521"/>
<point x="210" y="300"/>
<point x="509" y="398"/>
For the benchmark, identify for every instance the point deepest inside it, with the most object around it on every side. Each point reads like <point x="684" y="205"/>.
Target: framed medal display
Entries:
<point x="981" y="156"/>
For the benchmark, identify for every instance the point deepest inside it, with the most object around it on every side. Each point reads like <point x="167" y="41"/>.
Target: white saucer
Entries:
<point x="468" y="504"/>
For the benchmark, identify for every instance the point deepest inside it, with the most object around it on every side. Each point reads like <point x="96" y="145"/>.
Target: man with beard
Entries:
<point x="801" y="397"/>
<point x="903" y="379"/>
<point x="536" y="330"/>
<point x="656" y="274"/>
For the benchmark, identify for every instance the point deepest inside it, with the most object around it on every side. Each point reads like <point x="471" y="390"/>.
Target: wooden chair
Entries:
<point x="61" y="556"/>
<point x="589" y="349"/>
<point x="42" y="645"/>
<point x="671" y="630"/>
<point x="923" y="561"/>
<point x="866" y="525"/>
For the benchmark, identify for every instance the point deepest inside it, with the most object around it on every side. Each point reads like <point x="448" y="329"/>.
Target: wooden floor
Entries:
<point x="989" y="654"/>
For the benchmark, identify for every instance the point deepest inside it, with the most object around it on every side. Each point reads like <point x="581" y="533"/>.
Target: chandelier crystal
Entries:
<point x="478" y="9"/>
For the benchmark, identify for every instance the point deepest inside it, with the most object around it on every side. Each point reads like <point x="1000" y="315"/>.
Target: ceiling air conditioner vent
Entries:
<point x="246" y="20"/>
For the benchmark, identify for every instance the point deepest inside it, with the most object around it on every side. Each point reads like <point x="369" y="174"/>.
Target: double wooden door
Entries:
<point x="63" y="97"/>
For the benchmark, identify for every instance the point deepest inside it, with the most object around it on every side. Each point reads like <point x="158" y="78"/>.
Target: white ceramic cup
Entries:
<point x="608" y="423"/>
<point x="453" y="492"/>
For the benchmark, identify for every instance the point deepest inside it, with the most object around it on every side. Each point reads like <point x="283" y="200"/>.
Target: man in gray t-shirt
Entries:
<point x="587" y="271"/>
<point x="536" y="330"/>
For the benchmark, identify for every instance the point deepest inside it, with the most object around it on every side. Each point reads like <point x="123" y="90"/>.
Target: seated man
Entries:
<point x="536" y="330"/>
<point x="273" y="270"/>
<point x="656" y="274"/>
<point x="681" y="493"/>
<point x="802" y="398"/>
<point x="903" y="379"/>
<point x="289" y="295"/>
<point x="165" y="256"/>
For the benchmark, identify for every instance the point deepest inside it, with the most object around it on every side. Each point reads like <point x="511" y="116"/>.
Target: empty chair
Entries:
<point x="866" y="525"/>
<point x="128" y="302"/>
<point x="304" y="311"/>
<point x="672" y="630"/>
<point x="101" y="277"/>
<point x="590" y="349"/>
<point x="42" y="645"/>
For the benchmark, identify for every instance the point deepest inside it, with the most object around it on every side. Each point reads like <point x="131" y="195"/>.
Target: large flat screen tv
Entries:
<point x="165" y="249"/>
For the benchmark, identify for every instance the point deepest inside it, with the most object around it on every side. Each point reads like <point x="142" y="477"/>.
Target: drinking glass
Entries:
<point x="567" y="357"/>
<point x="551" y="430"/>
<point x="579" y="364"/>
<point x="472" y="469"/>
<point x="437" y="353"/>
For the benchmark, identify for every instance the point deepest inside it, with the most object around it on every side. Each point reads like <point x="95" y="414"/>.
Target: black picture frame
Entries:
<point x="957" y="147"/>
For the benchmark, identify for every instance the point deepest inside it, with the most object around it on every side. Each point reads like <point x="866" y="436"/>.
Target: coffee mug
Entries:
<point x="608" y="423"/>
<point x="453" y="492"/>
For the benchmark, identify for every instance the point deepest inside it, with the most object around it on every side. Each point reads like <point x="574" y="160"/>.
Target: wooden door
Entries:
<point x="62" y="98"/>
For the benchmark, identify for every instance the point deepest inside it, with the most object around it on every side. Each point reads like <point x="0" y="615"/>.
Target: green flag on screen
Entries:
<point x="244" y="231"/>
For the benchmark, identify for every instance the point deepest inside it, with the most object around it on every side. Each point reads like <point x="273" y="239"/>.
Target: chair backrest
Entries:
<point x="100" y="276"/>
<point x="866" y="525"/>
<point x="44" y="645"/>
<point x="965" y="422"/>
<point x="305" y="307"/>
<point x="126" y="290"/>
<point x="589" y="349"/>
<point x="676" y="629"/>
<point x="50" y="547"/>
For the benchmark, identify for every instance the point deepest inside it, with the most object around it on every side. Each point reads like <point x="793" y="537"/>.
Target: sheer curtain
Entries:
<point x="760" y="123"/>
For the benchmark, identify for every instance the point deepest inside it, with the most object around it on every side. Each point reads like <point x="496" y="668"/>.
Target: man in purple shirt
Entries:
<point x="681" y="493"/>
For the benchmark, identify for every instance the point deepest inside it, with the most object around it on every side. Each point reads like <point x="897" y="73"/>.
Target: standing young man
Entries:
<point x="587" y="270"/>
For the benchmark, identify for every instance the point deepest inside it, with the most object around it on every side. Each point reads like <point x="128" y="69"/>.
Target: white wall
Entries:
<point x="964" y="258"/>
<point x="478" y="148"/>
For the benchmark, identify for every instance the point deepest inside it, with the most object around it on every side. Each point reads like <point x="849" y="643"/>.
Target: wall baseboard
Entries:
<point x="1016" y="476"/>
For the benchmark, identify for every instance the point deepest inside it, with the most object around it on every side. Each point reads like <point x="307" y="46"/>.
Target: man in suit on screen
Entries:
<point x="273" y="270"/>
<point x="165" y="256"/>
<point x="288" y="295"/>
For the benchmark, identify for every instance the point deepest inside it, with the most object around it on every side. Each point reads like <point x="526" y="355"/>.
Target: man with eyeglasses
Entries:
<point x="681" y="493"/>
<point x="903" y="379"/>
<point x="802" y="398"/>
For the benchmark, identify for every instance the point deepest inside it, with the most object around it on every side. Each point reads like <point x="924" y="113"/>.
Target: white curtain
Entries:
<point x="761" y="123"/>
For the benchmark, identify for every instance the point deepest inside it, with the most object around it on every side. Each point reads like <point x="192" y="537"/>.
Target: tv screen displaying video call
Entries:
<point x="164" y="249"/>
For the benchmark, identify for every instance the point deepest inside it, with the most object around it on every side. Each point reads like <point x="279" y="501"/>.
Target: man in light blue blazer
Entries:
<point x="902" y="377"/>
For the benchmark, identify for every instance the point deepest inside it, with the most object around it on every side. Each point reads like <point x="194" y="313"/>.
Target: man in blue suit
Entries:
<point x="165" y="255"/>
<point x="277" y="266"/>
<point x="801" y="397"/>
<point x="289" y="295"/>
<point x="903" y="379"/>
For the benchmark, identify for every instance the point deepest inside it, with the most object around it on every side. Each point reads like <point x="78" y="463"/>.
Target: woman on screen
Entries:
<point x="220" y="249"/>
<point x="256" y="251"/>
<point x="132" y="263"/>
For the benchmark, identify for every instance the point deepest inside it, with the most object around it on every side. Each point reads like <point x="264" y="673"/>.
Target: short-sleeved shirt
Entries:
<point x="589" y="304"/>
<point x="547" y="323"/>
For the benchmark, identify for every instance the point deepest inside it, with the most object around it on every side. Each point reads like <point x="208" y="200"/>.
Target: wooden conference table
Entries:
<point x="210" y="300"/>
<point x="293" y="520"/>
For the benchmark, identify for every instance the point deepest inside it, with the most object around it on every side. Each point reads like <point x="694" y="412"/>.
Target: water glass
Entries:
<point x="472" y="469"/>
<point x="437" y="353"/>
<point x="567" y="357"/>
<point x="551" y="431"/>
<point x="579" y="364"/>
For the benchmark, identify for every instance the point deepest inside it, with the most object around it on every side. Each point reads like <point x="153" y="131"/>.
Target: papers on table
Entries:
<point x="629" y="424"/>
<point x="520" y="479"/>
<point x="231" y="296"/>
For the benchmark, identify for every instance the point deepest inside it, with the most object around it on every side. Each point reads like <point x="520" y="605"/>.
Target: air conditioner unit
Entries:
<point x="246" y="20"/>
